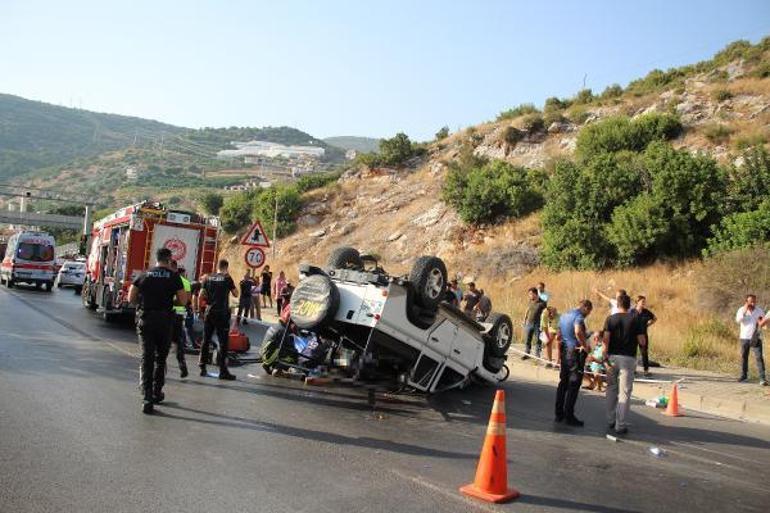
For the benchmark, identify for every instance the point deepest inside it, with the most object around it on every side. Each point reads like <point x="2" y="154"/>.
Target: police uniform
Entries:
<point x="179" y="336"/>
<point x="154" y="323"/>
<point x="216" y="319"/>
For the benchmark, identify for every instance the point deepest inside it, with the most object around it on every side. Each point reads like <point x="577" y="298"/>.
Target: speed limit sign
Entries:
<point x="255" y="257"/>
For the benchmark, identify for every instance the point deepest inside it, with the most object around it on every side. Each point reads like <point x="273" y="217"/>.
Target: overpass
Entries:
<point x="52" y="220"/>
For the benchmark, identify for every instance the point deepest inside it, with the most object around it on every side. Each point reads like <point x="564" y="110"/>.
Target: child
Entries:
<point x="597" y="365"/>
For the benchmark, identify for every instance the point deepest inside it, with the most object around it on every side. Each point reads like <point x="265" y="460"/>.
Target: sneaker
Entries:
<point x="183" y="372"/>
<point x="158" y="398"/>
<point x="742" y="380"/>
<point x="549" y="365"/>
<point x="763" y="383"/>
<point x="147" y="407"/>
<point x="621" y="431"/>
<point x="245" y="322"/>
<point x="227" y="376"/>
<point x="575" y="422"/>
<point x="525" y="357"/>
<point x="647" y="374"/>
<point x="203" y="371"/>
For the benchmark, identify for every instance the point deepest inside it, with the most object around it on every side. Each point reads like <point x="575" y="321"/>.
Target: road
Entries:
<point x="73" y="439"/>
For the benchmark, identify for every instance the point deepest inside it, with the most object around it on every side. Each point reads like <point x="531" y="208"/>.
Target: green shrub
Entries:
<point x="578" y="114"/>
<point x="554" y="116"/>
<point x="583" y="97"/>
<point x="749" y="183"/>
<point x="612" y="91"/>
<point x="555" y="104"/>
<point x="745" y="142"/>
<point x="636" y="228"/>
<point x="443" y="133"/>
<point x="622" y="133"/>
<point x="725" y="278"/>
<point x="483" y="194"/>
<point x="512" y="135"/>
<point x="310" y="181"/>
<point x="524" y="108"/>
<point x="721" y="95"/>
<point x="396" y="150"/>
<point x="762" y="70"/>
<point x="658" y="80"/>
<point x="289" y="203"/>
<point x="717" y="134"/>
<point x="236" y="212"/>
<point x="741" y="230"/>
<point x="533" y="123"/>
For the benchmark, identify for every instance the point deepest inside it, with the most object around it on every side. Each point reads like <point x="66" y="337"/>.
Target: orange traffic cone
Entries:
<point x="491" y="483"/>
<point x="672" y="410"/>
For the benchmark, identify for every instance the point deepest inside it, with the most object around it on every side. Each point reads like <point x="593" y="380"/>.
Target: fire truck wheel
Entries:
<point x="429" y="278"/>
<point x="345" y="258"/>
<point x="500" y="335"/>
<point x="314" y="302"/>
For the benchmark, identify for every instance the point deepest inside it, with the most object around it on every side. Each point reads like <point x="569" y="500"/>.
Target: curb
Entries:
<point x="741" y="409"/>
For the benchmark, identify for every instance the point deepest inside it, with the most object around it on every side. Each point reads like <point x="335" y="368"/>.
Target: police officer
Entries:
<point x="153" y="291"/>
<point x="215" y="291"/>
<point x="179" y="336"/>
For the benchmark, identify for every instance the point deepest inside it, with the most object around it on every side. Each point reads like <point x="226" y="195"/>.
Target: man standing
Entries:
<point x="751" y="318"/>
<point x="613" y="302"/>
<point x="531" y="322"/>
<point x="646" y="319"/>
<point x="179" y="336"/>
<point x="153" y="292"/>
<point x="215" y="290"/>
<point x="244" y="301"/>
<point x="483" y="307"/>
<point x="544" y="294"/>
<point x="623" y="333"/>
<point x="572" y="333"/>
<point x="470" y="298"/>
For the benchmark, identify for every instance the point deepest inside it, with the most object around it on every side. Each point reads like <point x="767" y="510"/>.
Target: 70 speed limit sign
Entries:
<point x="255" y="257"/>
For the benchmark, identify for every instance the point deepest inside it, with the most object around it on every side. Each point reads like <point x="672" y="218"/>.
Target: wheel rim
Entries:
<point x="503" y="335"/>
<point x="435" y="283"/>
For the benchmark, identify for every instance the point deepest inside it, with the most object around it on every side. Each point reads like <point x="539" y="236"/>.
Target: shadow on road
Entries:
<point x="311" y="434"/>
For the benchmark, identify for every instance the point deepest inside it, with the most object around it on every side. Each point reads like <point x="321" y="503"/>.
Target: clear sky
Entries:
<point x="348" y="67"/>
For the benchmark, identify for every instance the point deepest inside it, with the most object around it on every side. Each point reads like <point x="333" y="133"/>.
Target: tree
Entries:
<point x="235" y="213"/>
<point x="396" y="150"/>
<point x="211" y="202"/>
<point x="443" y="133"/>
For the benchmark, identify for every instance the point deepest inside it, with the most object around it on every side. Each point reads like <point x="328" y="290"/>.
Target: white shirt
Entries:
<point x="614" y="307"/>
<point x="748" y="321"/>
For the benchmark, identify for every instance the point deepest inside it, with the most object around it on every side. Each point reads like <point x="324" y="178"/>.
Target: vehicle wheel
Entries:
<point x="85" y="296"/>
<point x="345" y="257"/>
<point x="500" y="335"/>
<point x="429" y="279"/>
<point x="78" y="290"/>
<point x="314" y="302"/>
<point x="38" y="286"/>
<point x="48" y="286"/>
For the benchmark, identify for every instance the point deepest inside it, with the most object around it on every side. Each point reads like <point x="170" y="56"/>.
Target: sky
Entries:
<point x="348" y="67"/>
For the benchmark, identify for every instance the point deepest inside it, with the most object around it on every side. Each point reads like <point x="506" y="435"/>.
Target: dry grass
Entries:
<point x="685" y="334"/>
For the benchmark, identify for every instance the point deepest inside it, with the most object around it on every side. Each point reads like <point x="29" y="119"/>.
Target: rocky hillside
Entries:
<point x="397" y="213"/>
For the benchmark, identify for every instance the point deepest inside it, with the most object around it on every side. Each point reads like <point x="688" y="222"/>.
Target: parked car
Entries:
<point x="72" y="274"/>
<point x="380" y="327"/>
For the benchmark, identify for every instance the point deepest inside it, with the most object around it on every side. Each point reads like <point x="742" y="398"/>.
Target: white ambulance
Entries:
<point x="29" y="259"/>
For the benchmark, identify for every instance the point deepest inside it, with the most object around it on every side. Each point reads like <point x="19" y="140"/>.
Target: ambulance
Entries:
<point x="29" y="258"/>
<point x="124" y="243"/>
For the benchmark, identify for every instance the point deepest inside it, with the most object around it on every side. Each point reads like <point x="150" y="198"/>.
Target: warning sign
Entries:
<point x="254" y="257"/>
<point x="256" y="236"/>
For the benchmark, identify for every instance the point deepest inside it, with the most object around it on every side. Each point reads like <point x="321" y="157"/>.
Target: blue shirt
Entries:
<point x="567" y="325"/>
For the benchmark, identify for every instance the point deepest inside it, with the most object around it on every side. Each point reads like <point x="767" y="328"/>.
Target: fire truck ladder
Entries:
<point x="209" y="254"/>
<point x="148" y="244"/>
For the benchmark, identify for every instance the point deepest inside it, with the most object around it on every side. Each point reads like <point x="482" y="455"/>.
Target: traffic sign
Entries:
<point x="255" y="257"/>
<point x="256" y="236"/>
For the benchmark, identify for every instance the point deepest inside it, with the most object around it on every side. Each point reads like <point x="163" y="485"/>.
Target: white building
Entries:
<point x="270" y="150"/>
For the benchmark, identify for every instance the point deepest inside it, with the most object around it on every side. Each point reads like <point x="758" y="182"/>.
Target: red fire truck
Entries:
<point x="124" y="243"/>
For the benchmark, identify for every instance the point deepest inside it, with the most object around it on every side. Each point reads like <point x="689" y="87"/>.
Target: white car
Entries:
<point x="72" y="274"/>
<point x="384" y="327"/>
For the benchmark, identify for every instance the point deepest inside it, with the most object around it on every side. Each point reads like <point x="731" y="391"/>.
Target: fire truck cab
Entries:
<point x="124" y="243"/>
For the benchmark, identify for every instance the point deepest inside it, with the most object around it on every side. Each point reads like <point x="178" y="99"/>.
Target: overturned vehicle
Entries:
<point x="354" y="319"/>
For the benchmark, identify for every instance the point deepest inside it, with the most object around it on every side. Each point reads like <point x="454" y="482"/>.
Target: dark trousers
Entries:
<point x="279" y="304"/>
<point x="570" y="378"/>
<point x="755" y="344"/>
<point x="645" y="350"/>
<point x="154" y="330"/>
<point x="215" y="323"/>
<point x="244" y="306"/>
<point x="531" y="331"/>
<point x="179" y="338"/>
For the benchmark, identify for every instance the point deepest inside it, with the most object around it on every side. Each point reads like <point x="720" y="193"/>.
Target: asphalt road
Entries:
<point x="73" y="439"/>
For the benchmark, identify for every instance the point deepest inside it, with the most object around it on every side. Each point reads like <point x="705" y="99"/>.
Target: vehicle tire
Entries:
<point x="500" y="335"/>
<point x="429" y="279"/>
<point x="314" y="302"/>
<point x="48" y="286"/>
<point x="345" y="257"/>
<point x="85" y="295"/>
<point x="78" y="289"/>
<point x="38" y="286"/>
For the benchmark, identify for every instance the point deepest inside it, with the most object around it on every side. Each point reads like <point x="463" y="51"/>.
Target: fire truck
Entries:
<point x="124" y="243"/>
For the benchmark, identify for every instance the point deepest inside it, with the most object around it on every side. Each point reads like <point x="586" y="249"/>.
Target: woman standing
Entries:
<point x="278" y="286"/>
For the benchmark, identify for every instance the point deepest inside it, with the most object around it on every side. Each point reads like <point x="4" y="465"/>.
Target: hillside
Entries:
<point x="359" y="144"/>
<point x="34" y="134"/>
<point x="721" y="109"/>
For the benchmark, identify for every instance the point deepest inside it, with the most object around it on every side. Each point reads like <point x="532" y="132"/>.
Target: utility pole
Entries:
<point x="275" y="224"/>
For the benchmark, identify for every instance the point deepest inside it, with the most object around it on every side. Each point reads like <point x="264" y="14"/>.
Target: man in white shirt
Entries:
<point x="751" y="319"/>
<point x="613" y="302"/>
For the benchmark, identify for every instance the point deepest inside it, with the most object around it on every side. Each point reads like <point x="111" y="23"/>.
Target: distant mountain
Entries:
<point x="360" y="144"/>
<point x="35" y="135"/>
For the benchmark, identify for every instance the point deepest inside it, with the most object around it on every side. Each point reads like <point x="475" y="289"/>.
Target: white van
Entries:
<point x="29" y="259"/>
